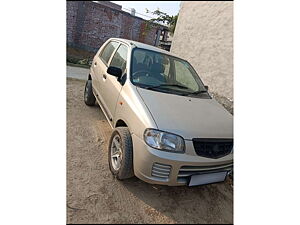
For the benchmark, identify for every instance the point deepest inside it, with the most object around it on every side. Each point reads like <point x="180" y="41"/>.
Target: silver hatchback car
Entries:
<point x="167" y="129"/>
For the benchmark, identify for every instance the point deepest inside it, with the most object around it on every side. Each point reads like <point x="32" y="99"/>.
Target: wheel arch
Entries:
<point x="121" y="123"/>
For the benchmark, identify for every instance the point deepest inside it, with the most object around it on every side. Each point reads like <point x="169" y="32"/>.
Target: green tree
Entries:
<point x="163" y="17"/>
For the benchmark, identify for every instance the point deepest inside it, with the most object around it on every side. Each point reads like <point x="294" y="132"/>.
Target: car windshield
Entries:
<point x="162" y="72"/>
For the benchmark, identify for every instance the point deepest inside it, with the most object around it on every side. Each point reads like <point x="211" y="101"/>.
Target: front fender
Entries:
<point x="132" y="110"/>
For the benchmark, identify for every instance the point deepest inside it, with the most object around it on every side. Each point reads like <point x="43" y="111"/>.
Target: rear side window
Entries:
<point x="120" y="58"/>
<point x="108" y="50"/>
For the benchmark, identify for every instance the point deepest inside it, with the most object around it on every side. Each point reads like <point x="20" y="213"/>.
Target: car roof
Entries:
<point x="144" y="46"/>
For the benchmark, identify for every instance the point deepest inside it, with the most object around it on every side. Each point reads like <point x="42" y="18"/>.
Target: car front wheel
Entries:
<point x="120" y="153"/>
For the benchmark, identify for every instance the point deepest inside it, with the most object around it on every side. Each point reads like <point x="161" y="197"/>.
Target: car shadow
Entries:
<point x="211" y="203"/>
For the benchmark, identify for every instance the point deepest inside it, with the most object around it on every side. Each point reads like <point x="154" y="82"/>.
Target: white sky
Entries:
<point x="169" y="7"/>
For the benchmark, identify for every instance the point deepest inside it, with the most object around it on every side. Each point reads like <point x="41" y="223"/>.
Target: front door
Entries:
<point x="110" y="86"/>
<point x="100" y="67"/>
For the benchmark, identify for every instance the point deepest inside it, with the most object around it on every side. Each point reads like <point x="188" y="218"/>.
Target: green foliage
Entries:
<point x="77" y="61"/>
<point x="148" y="26"/>
<point x="83" y="61"/>
<point x="164" y="18"/>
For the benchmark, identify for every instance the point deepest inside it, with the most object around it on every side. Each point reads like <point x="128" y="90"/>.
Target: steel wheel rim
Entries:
<point x="116" y="152"/>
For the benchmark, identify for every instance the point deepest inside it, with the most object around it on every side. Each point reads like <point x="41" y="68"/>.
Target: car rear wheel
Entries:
<point x="89" y="98"/>
<point x="120" y="153"/>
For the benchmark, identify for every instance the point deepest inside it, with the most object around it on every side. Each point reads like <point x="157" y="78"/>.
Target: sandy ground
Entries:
<point x="94" y="196"/>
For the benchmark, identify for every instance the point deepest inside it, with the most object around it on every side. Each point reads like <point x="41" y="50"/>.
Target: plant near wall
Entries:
<point x="164" y="18"/>
<point x="148" y="27"/>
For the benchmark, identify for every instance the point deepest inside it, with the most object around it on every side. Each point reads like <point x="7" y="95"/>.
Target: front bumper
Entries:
<point x="173" y="169"/>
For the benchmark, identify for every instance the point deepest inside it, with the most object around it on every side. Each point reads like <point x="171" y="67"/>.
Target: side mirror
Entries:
<point x="114" y="71"/>
<point x="206" y="87"/>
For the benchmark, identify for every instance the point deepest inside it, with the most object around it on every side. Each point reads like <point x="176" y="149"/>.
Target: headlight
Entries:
<point x="164" y="141"/>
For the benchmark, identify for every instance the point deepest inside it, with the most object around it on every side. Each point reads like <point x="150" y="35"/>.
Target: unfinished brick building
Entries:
<point x="90" y="24"/>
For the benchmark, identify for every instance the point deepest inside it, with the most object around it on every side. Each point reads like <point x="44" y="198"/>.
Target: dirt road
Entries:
<point x="94" y="196"/>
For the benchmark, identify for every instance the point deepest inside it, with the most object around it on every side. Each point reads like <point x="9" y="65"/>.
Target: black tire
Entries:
<point x="89" y="98"/>
<point x="126" y="169"/>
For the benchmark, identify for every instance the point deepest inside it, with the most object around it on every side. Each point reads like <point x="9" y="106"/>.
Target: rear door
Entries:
<point x="100" y="66"/>
<point x="111" y="87"/>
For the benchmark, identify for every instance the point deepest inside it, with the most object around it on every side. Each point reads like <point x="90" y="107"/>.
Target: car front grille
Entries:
<point x="161" y="171"/>
<point x="185" y="172"/>
<point x="212" y="148"/>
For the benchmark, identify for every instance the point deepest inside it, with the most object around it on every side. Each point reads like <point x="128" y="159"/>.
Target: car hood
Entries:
<point x="188" y="117"/>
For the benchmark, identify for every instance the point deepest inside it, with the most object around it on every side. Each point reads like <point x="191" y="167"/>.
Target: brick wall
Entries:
<point x="90" y="24"/>
<point x="204" y="36"/>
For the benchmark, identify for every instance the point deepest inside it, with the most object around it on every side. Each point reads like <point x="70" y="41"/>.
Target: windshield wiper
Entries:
<point x="166" y="85"/>
<point x="198" y="92"/>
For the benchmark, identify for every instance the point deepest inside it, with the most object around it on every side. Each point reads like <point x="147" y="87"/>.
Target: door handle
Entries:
<point x="104" y="76"/>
